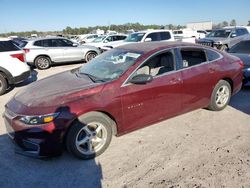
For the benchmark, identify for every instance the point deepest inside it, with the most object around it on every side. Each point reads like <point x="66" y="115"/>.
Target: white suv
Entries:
<point x="46" y="51"/>
<point x="13" y="68"/>
<point x="143" y="36"/>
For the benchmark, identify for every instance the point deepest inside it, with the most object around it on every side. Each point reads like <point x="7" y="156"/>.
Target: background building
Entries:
<point x="207" y="25"/>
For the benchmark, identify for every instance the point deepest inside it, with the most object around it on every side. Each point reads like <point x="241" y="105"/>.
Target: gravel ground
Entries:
<point x="197" y="149"/>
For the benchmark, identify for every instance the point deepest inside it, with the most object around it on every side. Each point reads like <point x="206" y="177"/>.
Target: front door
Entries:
<point x="160" y="99"/>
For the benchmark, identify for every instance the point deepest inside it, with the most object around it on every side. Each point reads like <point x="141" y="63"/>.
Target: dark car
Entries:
<point x="225" y="38"/>
<point x="124" y="89"/>
<point x="242" y="50"/>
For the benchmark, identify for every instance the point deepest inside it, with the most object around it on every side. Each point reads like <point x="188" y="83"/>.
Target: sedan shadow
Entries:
<point x="65" y="171"/>
<point x="241" y="101"/>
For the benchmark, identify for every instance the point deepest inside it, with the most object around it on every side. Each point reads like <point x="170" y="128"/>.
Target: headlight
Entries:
<point x="37" y="120"/>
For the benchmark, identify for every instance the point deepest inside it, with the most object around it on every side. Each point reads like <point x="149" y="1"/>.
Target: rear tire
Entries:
<point x="42" y="62"/>
<point x="221" y="96"/>
<point x="3" y="84"/>
<point x="90" y="55"/>
<point x="90" y="135"/>
<point x="223" y="47"/>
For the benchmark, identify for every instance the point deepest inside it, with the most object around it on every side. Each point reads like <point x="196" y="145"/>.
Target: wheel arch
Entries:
<point x="40" y="55"/>
<point x="112" y="123"/>
<point x="230" y="81"/>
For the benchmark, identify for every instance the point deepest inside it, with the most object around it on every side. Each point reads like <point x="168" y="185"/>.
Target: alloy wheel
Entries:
<point x="222" y="96"/>
<point x="91" y="138"/>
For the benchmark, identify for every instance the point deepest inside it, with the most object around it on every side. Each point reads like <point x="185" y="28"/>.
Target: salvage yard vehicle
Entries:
<point x="242" y="51"/>
<point x="121" y="90"/>
<point x="43" y="52"/>
<point x="143" y="36"/>
<point x="107" y="40"/>
<point x="223" y="39"/>
<point x="13" y="68"/>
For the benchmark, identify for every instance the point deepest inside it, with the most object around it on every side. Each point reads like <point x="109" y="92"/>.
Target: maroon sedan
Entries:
<point x="124" y="89"/>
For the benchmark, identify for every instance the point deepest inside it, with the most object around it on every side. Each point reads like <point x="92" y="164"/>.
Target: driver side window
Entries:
<point x="158" y="65"/>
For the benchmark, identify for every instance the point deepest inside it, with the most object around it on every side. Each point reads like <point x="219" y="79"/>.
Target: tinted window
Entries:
<point x="6" y="46"/>
<point x="241" y="47"/>
<point x="212" y="55"/>
<point x="192" y="57"/>
<point x="43" y="43"/>
<point x="153" y="36"/>
<point x="38" y="43"/>
<point x="158" y="64"/>
<point x="60" y="43"/>
<point x="164" y="35"/>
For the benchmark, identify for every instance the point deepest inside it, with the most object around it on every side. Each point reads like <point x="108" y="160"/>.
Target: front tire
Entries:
<point x="42" y="62"/>
<point x="3" y="84"/>
<point x="90" y="55"/>
<point x="221" y="96"/>
<point x="89" y="136"/>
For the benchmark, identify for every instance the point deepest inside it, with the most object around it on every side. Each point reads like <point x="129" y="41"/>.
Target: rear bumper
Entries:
<point x="20" y="78"/>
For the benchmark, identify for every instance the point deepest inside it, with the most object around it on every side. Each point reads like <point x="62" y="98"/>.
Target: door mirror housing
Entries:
<point x="148" y="40"/>
<point x="233" y="35"/>
<point x="141" y="79"/>
<point x="74" y="45"/>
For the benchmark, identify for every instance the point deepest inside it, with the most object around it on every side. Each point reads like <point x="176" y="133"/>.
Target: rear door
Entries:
<point x="70" y="52"/>
<point x="198" y="78"/>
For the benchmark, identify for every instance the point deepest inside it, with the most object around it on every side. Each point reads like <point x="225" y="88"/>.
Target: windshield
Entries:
<point x="99" y="39"/>
<point x="110" y="65"/>
<point x="134" y="37"/>
<point x="220" y="33"/>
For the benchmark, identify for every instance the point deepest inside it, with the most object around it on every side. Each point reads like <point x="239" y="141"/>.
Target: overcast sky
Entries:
<point x="51" y="15"/>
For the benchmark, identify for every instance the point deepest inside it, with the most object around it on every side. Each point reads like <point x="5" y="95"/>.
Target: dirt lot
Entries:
<point x="198" y="149"/>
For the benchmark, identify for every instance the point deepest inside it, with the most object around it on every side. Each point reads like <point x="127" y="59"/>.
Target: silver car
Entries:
<point x="43" y="52"/>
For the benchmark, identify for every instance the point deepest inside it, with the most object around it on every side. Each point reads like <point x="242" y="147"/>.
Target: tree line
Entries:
<point x="122" y="28"/>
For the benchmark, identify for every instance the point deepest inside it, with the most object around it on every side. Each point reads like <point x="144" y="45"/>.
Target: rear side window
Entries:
<point x="43" y="43"/>
<point x="153" y="36"/>
<point x="165" y="36"/>
<point x="212" y="55"/>
<point x="242" y="47"/>
<point x="192" y="57"/>
<point x="6" y="46"/>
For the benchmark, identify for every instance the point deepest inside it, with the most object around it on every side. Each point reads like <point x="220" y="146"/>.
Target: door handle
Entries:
<point x="211" y="70"/>
<point x="175" y="80"/>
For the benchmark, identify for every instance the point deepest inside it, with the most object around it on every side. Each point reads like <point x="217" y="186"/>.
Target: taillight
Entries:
<point x="18" y="56"/>
<point x="26" y="50"/>
<point x="241" y="63"/>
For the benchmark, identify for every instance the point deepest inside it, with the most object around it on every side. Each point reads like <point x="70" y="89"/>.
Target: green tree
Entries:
<point x="224" y="24"/>
<point x="233" y="22"/>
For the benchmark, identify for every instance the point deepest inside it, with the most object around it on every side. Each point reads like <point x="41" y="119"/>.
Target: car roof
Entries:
<point x="150" y="46"/>
<point x="45" y="38"/>
<point x="4" y="39"/>
<point x="152" y="31"/>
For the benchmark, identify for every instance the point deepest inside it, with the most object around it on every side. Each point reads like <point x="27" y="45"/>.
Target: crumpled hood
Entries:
<point x="212" y="39"/>
<point x="56" y="89"/>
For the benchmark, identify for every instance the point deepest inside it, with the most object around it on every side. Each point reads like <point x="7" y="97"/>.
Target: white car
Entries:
<point x="143" y="36"/>
<point x="87" y="38"/>
<point x="44" y="52"/>
<point x="13" y="68"/>
<point x="104" y="40"/>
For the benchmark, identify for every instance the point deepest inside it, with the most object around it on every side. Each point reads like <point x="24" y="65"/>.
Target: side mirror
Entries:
<point x="141" y="79"/>
<point x="105" y="41"/>
<point x="233" y="35"/>
<point x="148" y="40"/>
<point x="74" y="45"/>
